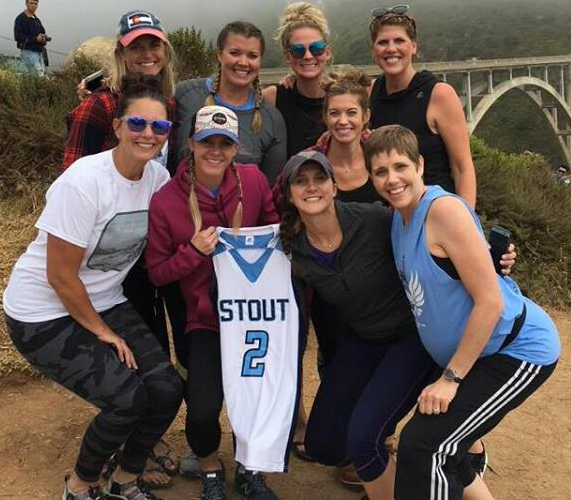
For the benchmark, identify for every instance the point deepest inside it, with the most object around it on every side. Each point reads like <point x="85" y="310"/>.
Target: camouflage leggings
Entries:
<point x="137" y="407"/>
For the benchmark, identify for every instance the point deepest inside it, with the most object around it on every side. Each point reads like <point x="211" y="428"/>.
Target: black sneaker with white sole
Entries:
<point x="252" y="485"/>
<point x="213" y="485"/>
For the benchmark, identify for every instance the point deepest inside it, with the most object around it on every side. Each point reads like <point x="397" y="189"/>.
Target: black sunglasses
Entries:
<point x="317" y="48"/>
<point x="399" y="10"/>
<point x="138" y="124"/>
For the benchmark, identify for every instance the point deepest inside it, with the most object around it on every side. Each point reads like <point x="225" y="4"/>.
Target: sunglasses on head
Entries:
<point x="399" y="10"/>
<point x="138" y="124"/>
<point x="317" y="48"/>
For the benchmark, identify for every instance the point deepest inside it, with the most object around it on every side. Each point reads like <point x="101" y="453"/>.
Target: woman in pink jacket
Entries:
<point x="208" y="190"/>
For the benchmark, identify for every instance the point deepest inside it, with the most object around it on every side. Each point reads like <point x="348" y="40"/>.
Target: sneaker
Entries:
<point x="252" y="485"/>
<point x="132" y="490"/>
<point x="189" y="466"/>
<point x="479" y="462"/>
<point x="349" y="477"/>
<point x="93" y="493"/>
<point x="213" y="485"/>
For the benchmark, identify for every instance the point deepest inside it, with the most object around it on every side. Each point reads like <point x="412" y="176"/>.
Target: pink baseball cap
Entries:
<point x="136" y="23"/>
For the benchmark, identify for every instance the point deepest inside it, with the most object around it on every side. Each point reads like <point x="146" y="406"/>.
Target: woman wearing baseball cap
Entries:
<point x="142" y="48"/>
<point x="379" y="366"/>
<point x="208" y="190"/>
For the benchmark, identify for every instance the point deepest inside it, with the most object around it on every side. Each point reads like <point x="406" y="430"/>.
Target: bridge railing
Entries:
<point x="273" y="75"/>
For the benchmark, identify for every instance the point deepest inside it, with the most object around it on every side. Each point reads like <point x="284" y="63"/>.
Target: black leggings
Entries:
<point x="432" y="453"/>
<point x="147" y="301"/>
<point x="137" y="406"/>
<point x="367" y="388"/>
<point x="204" y="393"/>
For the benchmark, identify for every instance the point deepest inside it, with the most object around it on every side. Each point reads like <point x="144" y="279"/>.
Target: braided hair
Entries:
<point x="247" y="30"/>
<point x="193" y="205"/>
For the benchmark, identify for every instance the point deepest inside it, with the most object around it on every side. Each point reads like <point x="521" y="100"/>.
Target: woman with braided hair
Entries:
<point x="240" y="47"/>
<point x="208" y="190"/>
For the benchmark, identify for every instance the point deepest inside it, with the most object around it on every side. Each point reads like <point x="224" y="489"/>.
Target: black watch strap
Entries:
<point x="451" y="375"/>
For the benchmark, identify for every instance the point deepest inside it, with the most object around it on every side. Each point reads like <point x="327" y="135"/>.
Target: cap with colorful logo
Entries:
<point x="136" y="23"/>
<point x="297" y="161"/>
<point x="216" y="120"/>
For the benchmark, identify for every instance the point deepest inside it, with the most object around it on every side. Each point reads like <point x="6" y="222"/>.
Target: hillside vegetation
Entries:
<point x="514" y="190"/>
<point x="448" y="29"/>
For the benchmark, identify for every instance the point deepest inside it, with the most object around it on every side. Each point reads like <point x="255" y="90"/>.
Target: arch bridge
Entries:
<point x="480" y="83"/>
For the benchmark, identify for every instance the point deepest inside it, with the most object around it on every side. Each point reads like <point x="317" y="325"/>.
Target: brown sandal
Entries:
<point x="146" y="481"/>
<point x="165" y="459"/>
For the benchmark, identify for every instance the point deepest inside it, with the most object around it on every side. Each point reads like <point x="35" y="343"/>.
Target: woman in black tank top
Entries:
<point x="303" y="35"/>
<point x="346" y="115"/>
<point x="418" y="101"/>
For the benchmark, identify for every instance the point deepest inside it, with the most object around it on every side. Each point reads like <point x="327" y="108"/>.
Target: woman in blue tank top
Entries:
<point x="495" y="346"/>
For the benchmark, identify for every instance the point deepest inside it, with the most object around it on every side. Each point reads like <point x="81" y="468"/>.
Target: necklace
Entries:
<point x="329" y="243"/>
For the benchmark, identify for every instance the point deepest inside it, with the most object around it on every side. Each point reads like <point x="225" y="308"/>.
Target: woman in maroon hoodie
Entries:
<point x="208" y="190"/>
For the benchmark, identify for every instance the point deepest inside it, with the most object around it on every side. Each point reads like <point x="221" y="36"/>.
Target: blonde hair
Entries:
<point x="194" y="207"/>
<point x="301" y="15"/>
<point x="118" y="69"/>
<point x="352" y="82"/>
<point x="247" y="30"/>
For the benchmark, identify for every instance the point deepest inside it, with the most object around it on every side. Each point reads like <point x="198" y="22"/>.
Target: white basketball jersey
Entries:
<point x="259" y="339"/>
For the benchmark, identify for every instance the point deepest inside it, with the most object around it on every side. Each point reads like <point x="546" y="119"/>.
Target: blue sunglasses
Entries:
<point x="138" y="124"/>
<point x="317" y="48"/>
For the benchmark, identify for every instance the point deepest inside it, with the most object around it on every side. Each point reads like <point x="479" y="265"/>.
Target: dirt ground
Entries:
<point x="41" y="426"/>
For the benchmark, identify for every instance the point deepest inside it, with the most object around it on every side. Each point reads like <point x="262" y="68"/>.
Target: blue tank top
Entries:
<point x="441" y="305"/>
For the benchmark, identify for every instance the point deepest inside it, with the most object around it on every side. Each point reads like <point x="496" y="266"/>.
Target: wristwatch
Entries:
<point x="451" y="375"/>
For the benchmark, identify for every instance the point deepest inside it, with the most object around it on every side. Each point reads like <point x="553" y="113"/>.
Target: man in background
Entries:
<point x="31" y="38"/>
<point x="563" y="176"/>
<point x="561" y="172"/>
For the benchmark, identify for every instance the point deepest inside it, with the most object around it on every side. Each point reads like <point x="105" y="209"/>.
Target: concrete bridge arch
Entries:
<point x="537" y="89"/>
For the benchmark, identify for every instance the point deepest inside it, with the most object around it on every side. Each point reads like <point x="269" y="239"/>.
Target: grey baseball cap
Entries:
<point x="297" y="161"/>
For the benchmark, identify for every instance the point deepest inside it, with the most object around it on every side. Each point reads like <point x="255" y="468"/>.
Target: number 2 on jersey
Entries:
<point x="252" y="366"/>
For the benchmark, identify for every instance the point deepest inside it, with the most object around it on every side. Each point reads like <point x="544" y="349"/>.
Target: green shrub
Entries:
<point x="194" y="57"/>
<point x="32" y="129"/>
<point x="518" y="192"/>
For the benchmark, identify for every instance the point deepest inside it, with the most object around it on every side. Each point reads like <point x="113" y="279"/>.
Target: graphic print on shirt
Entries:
<point x="414" y="294"/>
<point x="121" y="242"/>
<point x="259" y="343"/>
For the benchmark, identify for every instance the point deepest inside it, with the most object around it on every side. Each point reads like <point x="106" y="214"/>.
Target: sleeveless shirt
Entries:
<point x="303" y="117"/>
<point x="441" y="305"/>
<point x="408" y="108"/>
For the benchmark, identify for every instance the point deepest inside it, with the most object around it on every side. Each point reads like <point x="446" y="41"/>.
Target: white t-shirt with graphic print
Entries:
<point x="93" y="206"/>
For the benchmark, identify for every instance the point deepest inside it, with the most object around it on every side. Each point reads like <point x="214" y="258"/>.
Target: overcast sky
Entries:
<point x="69" y="22"/>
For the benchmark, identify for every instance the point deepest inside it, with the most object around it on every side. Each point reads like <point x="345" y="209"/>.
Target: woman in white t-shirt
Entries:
<point x="65" y="308"/>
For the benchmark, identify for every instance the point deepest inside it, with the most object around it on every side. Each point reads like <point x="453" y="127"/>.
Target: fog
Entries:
<point x="69" y="22"/>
